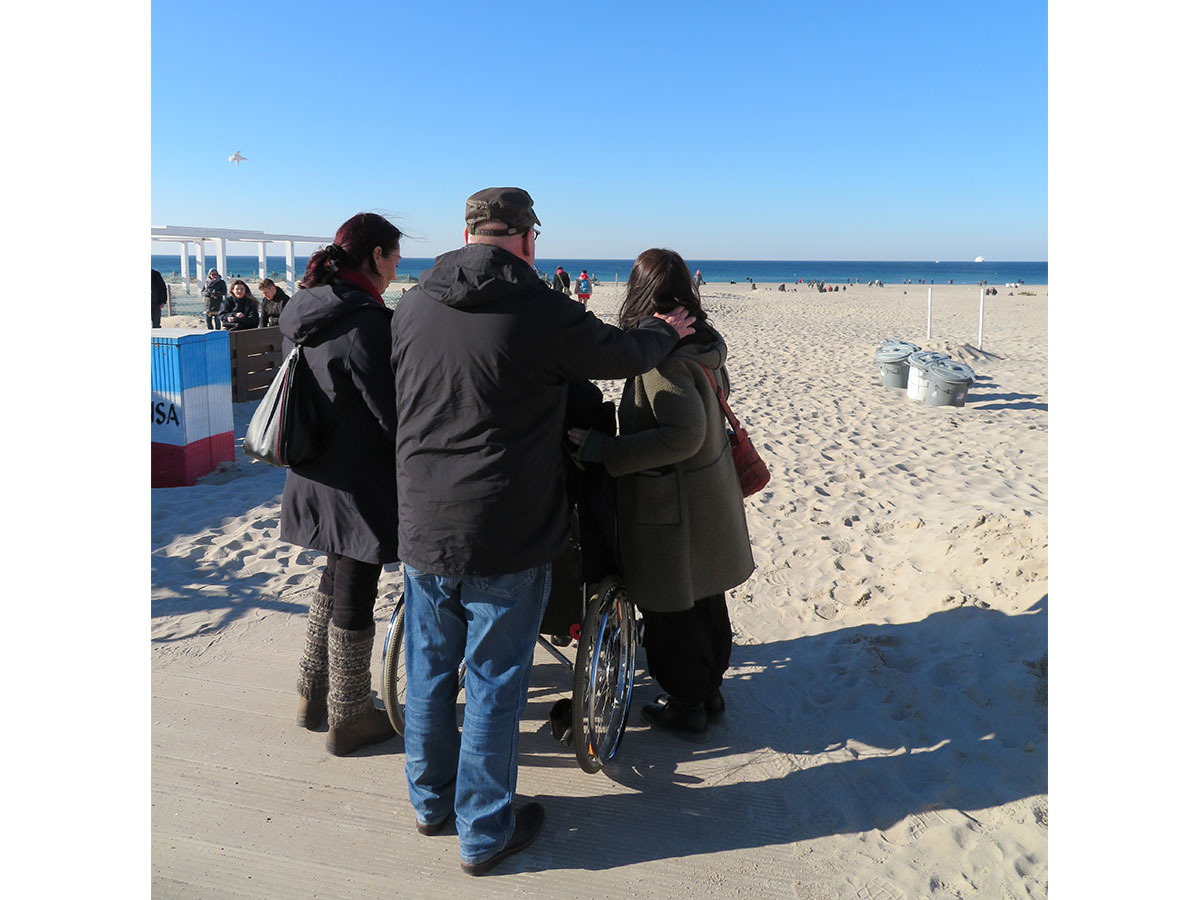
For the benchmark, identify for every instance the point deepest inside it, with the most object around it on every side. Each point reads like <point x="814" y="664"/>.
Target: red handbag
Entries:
<point x="752" y="471"/>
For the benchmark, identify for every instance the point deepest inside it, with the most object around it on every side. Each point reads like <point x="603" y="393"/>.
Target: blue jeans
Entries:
<point x="492" y="623"/>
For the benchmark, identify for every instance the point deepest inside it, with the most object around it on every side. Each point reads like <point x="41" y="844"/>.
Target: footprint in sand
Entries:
<point x="878" y="889"/>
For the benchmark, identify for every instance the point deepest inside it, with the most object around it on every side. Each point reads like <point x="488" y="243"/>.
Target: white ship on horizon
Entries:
<point x="979" y="259"/>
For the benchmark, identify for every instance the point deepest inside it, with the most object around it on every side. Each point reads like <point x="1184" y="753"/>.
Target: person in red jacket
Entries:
<point x="583" y="288"/>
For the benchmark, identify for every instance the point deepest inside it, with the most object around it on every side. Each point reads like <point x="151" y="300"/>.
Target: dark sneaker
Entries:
<point x="715" y="705"/>
<point x="434" y="827"/>
<point x="688" y="721"/>
<point x="529" y="822"/>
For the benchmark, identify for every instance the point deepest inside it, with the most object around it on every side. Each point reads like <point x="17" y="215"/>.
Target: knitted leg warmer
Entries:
<point x="313" y="682"/>
<point x="349" y="674"/>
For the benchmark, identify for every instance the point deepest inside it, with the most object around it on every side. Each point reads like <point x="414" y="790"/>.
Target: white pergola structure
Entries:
<point x="186" y="235"/>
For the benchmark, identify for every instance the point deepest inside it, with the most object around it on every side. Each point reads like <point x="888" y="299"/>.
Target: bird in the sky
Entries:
<point x="237" y="157"/>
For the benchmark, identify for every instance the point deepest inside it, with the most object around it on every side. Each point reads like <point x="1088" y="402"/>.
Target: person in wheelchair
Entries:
<point x="591" y="491"/>
<point x="682" y="535"/>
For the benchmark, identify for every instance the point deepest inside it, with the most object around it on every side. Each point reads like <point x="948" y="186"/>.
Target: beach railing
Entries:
<point x="254" y="357"/>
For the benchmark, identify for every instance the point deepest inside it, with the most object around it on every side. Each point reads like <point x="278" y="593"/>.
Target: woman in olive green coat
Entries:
<point x="681" y="523"/>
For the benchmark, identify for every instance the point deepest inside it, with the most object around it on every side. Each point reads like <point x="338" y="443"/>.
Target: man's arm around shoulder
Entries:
<point x="589" y="348"/>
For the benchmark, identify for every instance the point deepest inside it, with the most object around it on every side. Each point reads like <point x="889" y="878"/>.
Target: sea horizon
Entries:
<point x="714" y="271"/>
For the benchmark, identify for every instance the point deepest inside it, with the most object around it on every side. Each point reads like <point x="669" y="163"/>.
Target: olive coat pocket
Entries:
<point x="656" y="497"/>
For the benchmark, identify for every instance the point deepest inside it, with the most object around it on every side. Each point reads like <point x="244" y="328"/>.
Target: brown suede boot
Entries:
<point x="313" y="711"/>
<point x="313" y="683"/>
<point x="354" y="720"/>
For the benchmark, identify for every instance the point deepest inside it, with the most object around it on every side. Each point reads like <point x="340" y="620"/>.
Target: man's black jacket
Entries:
<point x="482" y="350"/>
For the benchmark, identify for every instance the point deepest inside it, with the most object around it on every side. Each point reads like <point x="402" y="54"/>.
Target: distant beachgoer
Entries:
<point x="344" y="502"/>
<point x="782" y="286"/>
<point x="240" y="309"/>
<point x="562" y="281"/>
<point x="583" y="288"/>
<point x="158" y="297"/>
<point x="214" y="299"/>
<point x="274" y="300"/>
<point x="698" y="279"/>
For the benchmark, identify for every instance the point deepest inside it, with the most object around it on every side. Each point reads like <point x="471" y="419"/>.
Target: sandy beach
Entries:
<point x="887" y="726"/>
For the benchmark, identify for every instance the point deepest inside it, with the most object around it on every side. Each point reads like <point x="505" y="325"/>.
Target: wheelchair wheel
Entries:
<point x="603" y="676"/>
<point x="394" y="684"/>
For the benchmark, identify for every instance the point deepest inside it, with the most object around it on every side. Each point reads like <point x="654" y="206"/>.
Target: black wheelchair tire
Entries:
<point x="603" y="676"/>
<point x="394" y="683"/>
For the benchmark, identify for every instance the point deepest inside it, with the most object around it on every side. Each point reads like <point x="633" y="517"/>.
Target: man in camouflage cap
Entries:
<point x="482" y="350"/>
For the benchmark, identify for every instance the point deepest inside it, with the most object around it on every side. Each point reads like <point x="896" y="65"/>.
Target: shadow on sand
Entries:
<point x="868" y="725"/>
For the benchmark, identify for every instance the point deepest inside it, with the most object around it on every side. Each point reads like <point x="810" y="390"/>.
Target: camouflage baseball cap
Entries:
<point x="510" y="205"/>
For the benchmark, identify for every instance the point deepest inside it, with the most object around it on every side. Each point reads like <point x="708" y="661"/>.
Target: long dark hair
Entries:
<point x="249" y="293"/>
<point x="658" y="283"/>
<point x="353" y="245"/>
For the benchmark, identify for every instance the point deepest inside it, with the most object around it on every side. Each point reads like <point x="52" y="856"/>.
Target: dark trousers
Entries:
<point x="353" y="586"/>
<point x="687" y="652"/>
<point x="155" y="316"/>
<point x="213" y="321"/>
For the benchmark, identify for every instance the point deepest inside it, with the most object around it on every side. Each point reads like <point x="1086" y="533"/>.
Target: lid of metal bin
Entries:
<point x="896" y="352"/>
<point x="922" y="358"/>
<point x="951" y="370"/>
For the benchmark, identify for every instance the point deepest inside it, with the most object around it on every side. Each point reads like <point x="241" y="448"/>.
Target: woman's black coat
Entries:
<point x="344" y="501"/>
<point x="214" y="295"/>
<point x="247" y="306"/>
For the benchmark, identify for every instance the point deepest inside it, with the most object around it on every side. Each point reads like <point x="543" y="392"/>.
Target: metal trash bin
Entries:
<point x="948" y="382"/>
<point x="918" y="368"/>
<point x="892" y="359"/>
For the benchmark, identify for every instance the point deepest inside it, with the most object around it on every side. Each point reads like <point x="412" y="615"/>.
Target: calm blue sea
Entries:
<point x="713" y="270"/>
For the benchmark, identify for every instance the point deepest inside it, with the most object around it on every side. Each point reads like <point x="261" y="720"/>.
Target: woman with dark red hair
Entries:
<point x="344" y="501"/>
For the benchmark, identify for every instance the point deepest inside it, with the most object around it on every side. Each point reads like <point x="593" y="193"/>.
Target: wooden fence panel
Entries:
<point x="254" y="357"/>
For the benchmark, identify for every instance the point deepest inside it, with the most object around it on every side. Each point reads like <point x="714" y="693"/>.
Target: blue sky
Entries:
<point x="754" y="130"/>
